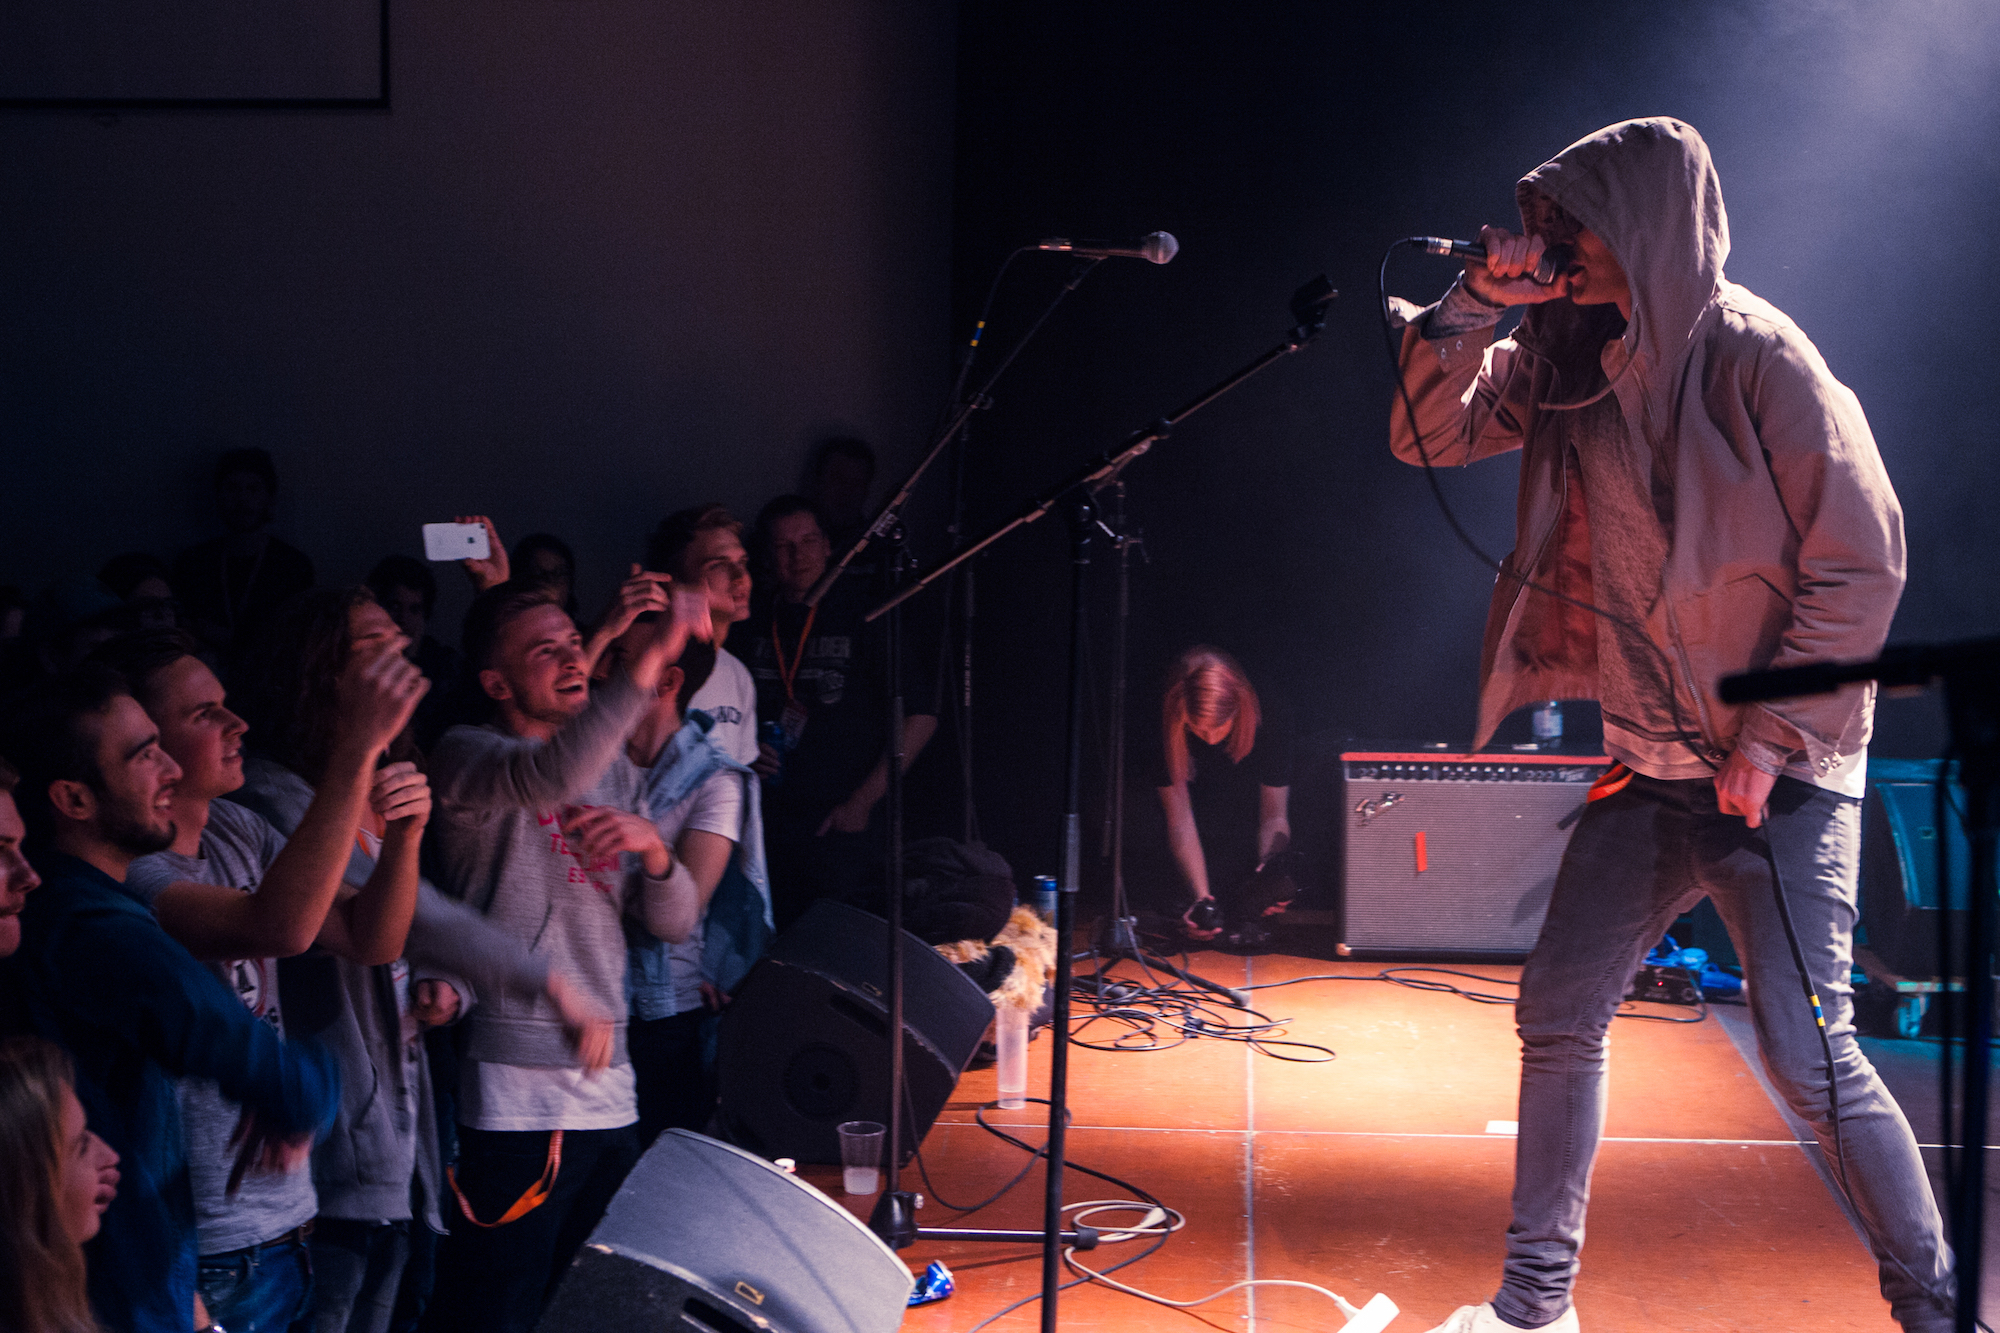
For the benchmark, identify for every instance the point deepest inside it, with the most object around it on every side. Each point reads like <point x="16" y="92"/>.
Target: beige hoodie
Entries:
<point x="1787" y="539"/>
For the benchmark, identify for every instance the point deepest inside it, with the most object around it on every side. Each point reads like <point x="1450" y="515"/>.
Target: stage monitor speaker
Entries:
<point x="706" y="1238"/>
<point x="1454" y="854"/>
<point x="805" y="1042"/>
<point x="1899" y="864"/>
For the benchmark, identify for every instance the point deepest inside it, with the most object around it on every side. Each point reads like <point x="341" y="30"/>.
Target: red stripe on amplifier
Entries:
<point x="1423" y="854"/>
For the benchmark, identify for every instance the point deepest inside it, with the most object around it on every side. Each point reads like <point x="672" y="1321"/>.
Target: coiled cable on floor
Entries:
<point x="1156" y="1224"/>
<point x="1158" y="1013"/>
<point x="1403" y="976"/>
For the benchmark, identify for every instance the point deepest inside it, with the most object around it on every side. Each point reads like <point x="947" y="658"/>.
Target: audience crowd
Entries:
<point x="345" y="971"/>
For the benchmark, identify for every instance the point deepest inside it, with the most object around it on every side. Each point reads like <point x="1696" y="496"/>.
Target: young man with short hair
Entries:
<point x="542" y="826"/>
<point x="98" y="974"/>
<point x="821" y="673"/>
<point x="707" y="805"/>
<point x="240" y="896"/>
<point x="702" y="547"/>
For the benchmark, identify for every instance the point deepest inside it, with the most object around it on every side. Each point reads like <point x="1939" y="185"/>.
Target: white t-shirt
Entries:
<point x="517" y="1097"/>
<point x="716" y="806"/>
<point x="730" y="697"/>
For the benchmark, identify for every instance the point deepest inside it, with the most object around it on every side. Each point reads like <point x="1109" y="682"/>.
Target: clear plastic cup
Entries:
<point x="861" y="1156"/>
<point x="1010" y="1038"/>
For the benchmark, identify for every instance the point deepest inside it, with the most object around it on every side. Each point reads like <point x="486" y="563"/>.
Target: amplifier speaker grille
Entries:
<point x="1455" y="854"/>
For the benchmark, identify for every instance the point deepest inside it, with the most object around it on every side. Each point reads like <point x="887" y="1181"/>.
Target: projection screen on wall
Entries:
<point x="326" y="52"/>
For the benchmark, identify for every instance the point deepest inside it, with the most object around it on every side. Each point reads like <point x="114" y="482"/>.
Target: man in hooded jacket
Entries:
<point x="1699" y="496"/>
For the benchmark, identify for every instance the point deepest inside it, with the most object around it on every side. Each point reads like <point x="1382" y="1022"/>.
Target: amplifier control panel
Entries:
<point x="1581" y="770"/>
<point x="1377" y="767"/>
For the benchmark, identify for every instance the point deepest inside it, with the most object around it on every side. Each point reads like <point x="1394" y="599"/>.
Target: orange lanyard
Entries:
<point x="537" y="1194"/>
<point x="790" y="674"/>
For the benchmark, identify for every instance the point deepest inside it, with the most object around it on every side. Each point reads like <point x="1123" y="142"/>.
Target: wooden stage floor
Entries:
<point x="1388" y="1169"/>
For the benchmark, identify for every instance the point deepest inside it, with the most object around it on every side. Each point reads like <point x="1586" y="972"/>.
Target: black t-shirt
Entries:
<point x="1224" y="794"/>
<point x="227" y="596"/>
<point x="843" y="686"/>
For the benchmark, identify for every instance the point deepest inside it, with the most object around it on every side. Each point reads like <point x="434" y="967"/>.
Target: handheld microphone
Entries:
<point x="1554" y="259"/>
<point x="1158" y="246"/>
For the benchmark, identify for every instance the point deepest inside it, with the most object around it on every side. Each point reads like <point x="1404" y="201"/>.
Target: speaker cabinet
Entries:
<point x="805" y="1042"/>
<point x="1900" y="837"/>
<point x="1455" y="854"/>
<point x="706" y="1238"/>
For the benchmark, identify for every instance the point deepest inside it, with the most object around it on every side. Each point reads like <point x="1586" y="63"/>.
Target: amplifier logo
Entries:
<point x="1375" y="805"/>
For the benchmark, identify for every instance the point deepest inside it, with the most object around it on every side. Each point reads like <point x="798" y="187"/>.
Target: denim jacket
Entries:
<point x="736" y="928"/>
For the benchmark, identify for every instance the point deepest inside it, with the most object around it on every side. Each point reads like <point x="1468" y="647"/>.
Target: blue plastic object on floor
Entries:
<point x="1713" y="980"/>
<point x="934" y="1284"/>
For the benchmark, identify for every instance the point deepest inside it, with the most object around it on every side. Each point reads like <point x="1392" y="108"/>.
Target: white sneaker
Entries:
<point x="1481" y="1319"/>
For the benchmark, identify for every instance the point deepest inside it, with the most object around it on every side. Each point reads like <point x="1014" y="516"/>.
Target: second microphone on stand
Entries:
<point x="1157" y="247"/>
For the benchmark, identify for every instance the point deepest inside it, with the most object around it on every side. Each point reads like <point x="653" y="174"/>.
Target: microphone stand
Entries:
<point x="894" y="1216"/>
<point x="891" y="513"/>
<point x="1122" y="935"/>
<point x="1077" y="495"/>
<point x="1970" y="671"/>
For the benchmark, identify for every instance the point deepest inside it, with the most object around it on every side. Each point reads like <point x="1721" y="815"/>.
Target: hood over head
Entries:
<point x="1648" y="189"/>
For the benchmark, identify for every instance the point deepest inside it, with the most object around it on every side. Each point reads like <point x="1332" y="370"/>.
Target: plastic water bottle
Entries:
<point x="1011" y="1041"/>
<point x="1549" y="723"/>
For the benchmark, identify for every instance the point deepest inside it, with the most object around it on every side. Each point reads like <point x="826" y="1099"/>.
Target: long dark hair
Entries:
<point x="41" y="1268"/>
<point x="287" y="685"/>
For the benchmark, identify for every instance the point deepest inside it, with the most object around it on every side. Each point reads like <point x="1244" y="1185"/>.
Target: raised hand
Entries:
<point x="401" y="795"/>
<point x="640" y="593"/>
<point x="494" y="570"/>
<point x="1503" y="279"/>
<point x="376" y="695"/>
<point x="651" y="649"/>
<point x="691" y="615"/>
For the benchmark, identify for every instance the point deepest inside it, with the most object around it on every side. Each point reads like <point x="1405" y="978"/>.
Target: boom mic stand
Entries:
<point x="1971" y="674"/>
<point x="894" y="1217"/>
<point x="1077" y="495"/>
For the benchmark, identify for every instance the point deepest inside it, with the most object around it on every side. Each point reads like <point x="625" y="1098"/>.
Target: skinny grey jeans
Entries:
<point x="1638" y="859"/>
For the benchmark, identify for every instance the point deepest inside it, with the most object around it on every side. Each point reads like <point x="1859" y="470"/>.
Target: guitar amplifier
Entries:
<point x="1455" y="854"/>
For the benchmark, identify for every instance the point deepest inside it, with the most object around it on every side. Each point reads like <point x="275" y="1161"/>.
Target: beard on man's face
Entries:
<point x="137" y="835"/>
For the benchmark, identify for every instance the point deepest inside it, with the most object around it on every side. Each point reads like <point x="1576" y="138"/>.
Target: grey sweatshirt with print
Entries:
<point x="501" y="801"/>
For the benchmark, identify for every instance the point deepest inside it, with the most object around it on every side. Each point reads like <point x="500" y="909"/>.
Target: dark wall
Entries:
<point x="1856" y="144"/>
<point x="604" y="258"/>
